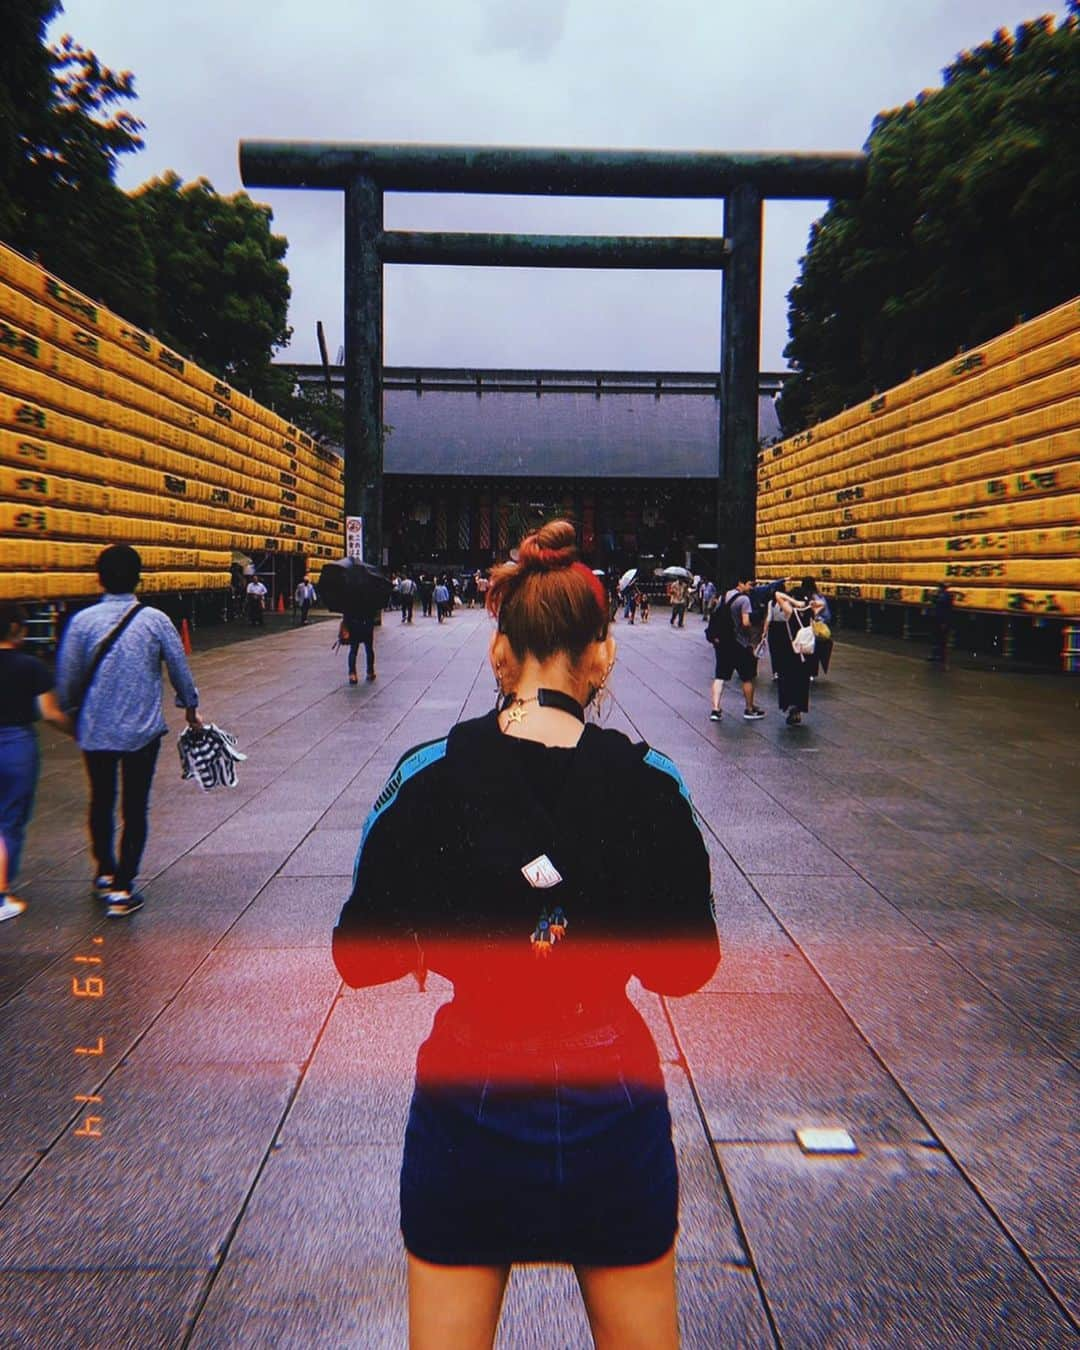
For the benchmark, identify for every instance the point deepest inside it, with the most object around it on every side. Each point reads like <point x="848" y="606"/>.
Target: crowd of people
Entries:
<point x="793" y="626"/>
<point x="438" y="592"/>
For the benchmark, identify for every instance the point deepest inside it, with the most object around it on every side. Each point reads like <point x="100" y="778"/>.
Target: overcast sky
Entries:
<point x="679" y="74"/>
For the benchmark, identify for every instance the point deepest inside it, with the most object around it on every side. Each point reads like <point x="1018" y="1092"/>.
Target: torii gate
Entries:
<point x="365" y="171"/>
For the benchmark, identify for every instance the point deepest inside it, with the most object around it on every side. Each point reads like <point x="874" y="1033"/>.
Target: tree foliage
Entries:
<point x="58" y="198"/>
<point x="201" y="271"/>
<point x="968" y="222"/>
<point x="222" y="288"/>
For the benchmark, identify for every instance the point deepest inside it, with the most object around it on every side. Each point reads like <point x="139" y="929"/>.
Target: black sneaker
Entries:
<point x="122" y="903"/>
<point x="794" y="717"/>
<point x="752" y="714"/>
<point x="102" y="886"/>
<point x="716" y="715"/>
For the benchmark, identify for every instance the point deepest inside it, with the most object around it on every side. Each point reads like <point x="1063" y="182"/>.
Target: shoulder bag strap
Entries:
<point x="103" y="649"/>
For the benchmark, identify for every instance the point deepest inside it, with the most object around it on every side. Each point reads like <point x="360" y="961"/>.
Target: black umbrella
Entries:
<point x="349" y="586"/>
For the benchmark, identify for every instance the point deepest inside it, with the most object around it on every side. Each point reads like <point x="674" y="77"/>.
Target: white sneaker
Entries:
<point x="11" y="907"/>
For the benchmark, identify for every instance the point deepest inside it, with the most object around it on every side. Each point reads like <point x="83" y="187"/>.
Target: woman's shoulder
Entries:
<point x="649" y="768"/>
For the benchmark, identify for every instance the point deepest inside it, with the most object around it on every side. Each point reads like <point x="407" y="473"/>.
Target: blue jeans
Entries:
<point x="19" y="763"/>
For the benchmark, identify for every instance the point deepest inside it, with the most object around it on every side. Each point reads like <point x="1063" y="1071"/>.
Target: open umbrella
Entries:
<point x="672" y="572"/>
<point x="627" y="577"/>
<point x="349" y="586"/>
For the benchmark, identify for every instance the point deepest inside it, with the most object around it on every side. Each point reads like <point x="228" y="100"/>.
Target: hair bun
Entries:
<point x="552" y="546"/>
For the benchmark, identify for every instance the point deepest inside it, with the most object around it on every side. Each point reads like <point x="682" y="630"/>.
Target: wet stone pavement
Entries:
<point x="202" y="1150"/>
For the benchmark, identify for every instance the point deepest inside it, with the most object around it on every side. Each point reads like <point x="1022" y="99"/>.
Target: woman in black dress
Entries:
<point x="793" y="687"/>
<point x="539" y="1127"/>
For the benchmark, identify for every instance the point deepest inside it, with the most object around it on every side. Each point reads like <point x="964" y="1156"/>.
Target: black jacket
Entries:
<point x="438" y="883"/>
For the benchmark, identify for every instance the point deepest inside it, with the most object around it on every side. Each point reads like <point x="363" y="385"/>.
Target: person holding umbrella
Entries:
<point x="678" y="591"/>
<point x="357" y="592"/>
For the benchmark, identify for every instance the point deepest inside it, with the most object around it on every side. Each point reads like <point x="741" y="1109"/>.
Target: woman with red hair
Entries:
<point x="539" y="1128"/>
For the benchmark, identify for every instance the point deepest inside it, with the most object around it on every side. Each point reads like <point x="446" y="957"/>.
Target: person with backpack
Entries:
<point x="793" y="686"/>
<point x="730" y="632"/>
<point x="26" y="693"/>
<point x="109" y="681"/>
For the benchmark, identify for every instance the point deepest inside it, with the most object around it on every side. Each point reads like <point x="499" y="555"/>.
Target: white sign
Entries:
<point x="354" y="537"/>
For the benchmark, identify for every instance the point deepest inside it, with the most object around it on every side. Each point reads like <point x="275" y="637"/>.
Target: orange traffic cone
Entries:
<point x="185" y="635"/>
<point x="281" y="602"/>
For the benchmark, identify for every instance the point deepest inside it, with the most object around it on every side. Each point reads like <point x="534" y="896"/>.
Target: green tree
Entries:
<point x="222" y="288"/>
<point x="313" y="410"/>
<point x="968" y="222"/>
<point x="25" y="90"/>
<point x="58" y="157"/>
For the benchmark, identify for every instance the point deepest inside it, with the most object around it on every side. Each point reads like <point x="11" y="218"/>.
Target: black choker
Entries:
<point x="552" y="698"/>
<point x="546" y="698"/>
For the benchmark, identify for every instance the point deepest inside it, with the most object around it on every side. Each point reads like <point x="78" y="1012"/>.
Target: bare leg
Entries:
<point x="717" y="690"/>
<point x="632" y="1307"/>
<point x="454" y="1307"/>
<point x="748" y="693"/>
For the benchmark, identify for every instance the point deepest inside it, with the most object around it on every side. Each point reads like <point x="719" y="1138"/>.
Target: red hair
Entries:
<point x="548" y="602"/>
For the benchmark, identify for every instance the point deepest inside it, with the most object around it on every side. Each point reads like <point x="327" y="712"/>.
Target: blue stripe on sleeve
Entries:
<point x="658" y="761"/>
<point x="408" y="767"/>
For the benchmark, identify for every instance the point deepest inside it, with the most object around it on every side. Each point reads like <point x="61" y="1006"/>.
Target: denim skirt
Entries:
<point x="563" y="1171"/>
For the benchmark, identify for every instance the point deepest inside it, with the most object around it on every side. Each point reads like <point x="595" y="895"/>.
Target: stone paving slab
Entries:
<point x="178" y="1152"/>
<point x="288" y="912"/>
<point x="245" y="1007"/>
<point x="766" y="1065"/>
<point x="1006" y="1113"/>
<point x="898" y="934"/>
<point x="901" y="1256"/>
<point x="53" y="1310"/>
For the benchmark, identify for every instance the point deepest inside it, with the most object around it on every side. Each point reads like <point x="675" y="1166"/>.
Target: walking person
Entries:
<point x="823" y="638"/>
<point x="109" y="679"/>
<point x="630" y="601"/>
<point x="442" y="599"/>
<point x="426" y="589"/>
<point x="708" y="599"/>
<point x="407" y="591"/>
<point x="793" y="686"/>
<point x="678" y="594"/>
<point x="26" y="693"/>
<point x="941" y="620"/>
<point x="539" y="1129"/>
<point x="357" y="630"/>
<point x="256" y="602"/>
<point x="776" y="634"/>
<point x="304" y="599"/>
<point x="644" y="606"/>
<point x="731" y="634"/>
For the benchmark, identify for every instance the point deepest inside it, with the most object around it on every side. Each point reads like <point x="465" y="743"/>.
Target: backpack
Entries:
<point x="721" y="626"/>
<point x="804" y="640"/>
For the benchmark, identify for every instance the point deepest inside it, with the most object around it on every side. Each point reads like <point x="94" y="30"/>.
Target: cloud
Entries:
<point x="685" y="74"/>
<point x="531" y="28"/>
